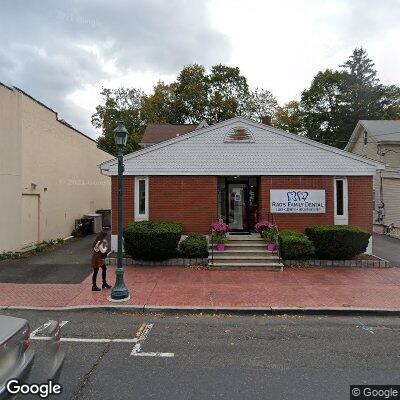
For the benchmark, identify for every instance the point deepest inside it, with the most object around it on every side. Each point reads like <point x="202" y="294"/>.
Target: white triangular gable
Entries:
<point x="270" y="151"/>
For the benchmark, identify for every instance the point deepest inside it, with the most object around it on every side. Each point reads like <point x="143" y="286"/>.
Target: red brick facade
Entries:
<point x="360" y="197"/>
<point x="128" y="201"/>
<point x="297" y="222"/>
<point x="192" y="200"/>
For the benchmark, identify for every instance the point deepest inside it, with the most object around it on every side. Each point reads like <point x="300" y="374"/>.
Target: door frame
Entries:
<point x="342" y="219"/>
<point x="229" y="180"/>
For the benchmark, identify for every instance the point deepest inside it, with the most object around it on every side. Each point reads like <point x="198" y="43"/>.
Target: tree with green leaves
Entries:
<point x="260" y="103"/>
<point x="162" y="106"/>
<point x="228" y="93"/>
<point x="290" y="117"/>
<point x="337" y="100"/>
<point x="192" y="92"/>
<point x="119" y="105"/>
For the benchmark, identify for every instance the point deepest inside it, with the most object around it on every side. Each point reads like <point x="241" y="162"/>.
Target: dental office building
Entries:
<point x="243" y="171"/>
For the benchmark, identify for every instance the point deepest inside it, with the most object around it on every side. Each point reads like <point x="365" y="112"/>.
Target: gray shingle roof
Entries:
<point x="383" y="130"/>
<point x="271" y="152"/>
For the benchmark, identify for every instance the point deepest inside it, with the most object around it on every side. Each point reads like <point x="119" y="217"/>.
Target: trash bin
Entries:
<point x="97" y="222"/>
<point x="106" y="217"/>
<point x="87" y="226"/>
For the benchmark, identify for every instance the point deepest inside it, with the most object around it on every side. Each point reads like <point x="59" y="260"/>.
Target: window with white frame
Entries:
<point x="341" y="201"/>
<point x="141" y="198"/>
<point x="365" y="138"/>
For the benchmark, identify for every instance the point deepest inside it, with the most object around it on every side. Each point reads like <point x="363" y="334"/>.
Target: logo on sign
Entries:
<point x="297" y="196"/>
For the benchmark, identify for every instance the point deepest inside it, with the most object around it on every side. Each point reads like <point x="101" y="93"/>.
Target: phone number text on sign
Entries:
<point x="297" y="201"/>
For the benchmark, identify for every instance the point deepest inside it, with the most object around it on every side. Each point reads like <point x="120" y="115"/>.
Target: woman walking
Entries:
<point x="100" y="248"/>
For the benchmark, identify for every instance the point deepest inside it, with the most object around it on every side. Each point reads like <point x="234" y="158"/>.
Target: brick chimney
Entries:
<point x="266" y="120"/>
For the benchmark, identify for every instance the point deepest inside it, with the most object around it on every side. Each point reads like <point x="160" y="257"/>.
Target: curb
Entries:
<point x="219" y="310"/>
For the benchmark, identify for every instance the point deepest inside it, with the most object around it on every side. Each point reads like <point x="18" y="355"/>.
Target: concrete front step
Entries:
<point x="256" y="252"/>
<point x="244" y="246"/>
<point x="248" y="238"/>
<point x="247" y="266"/>
<point x="241" y="256"/>
<point x="244" y="261"/>
<point x="244" y="241"/>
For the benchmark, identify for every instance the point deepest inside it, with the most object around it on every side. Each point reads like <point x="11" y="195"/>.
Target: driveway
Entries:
<point x="388" y="248"/>
<point x="68" y="263"/>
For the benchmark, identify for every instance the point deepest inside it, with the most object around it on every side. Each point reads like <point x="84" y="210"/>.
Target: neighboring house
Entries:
<point x="242" y="171"/>
<point x="48" y="173"/>
<point x="157" y="133"/>
<point x="380" y="140"/>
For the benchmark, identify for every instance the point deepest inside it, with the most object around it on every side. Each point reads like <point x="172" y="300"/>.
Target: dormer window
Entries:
<point x="365" y="138"/>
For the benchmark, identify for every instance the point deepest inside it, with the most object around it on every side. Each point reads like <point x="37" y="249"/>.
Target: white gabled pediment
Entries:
<point x="242" y="147"/>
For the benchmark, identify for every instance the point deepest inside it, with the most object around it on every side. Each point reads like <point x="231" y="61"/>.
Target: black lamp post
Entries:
<point x="120" y="291"/>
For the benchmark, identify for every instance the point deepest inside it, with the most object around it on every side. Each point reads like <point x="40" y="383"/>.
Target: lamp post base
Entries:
<point x="110" y="299"/>
<point x="119" y="291"/>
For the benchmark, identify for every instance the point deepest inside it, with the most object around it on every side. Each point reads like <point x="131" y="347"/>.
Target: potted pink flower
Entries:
<point x="219" y="230"/>
<point x="269" y="232"/>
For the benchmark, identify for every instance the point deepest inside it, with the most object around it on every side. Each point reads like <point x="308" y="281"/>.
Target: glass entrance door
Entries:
<point x="237" y="212"/>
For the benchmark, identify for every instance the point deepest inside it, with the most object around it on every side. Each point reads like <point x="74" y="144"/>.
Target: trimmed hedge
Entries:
<point x="295" y="246"/>
<point x="194" y="246"/>
<point x="152" y="240"/>
<point x="338" y="242"/>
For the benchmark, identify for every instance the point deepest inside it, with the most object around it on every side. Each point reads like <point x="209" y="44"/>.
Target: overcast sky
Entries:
<point x="63" y="52"/>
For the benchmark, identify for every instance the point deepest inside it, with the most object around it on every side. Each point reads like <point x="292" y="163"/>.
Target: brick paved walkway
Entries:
<point x="177" y="286"/>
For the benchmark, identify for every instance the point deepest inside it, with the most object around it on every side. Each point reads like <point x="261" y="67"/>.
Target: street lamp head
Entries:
<point x="120" y="134"/>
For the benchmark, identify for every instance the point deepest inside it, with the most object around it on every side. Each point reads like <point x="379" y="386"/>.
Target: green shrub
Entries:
<point x="292" y="233"/>
<point x="194" y="246"/>
<point x="338" y="242"/>
<point x="295" y="246"/>
<point x="152" y="240"/>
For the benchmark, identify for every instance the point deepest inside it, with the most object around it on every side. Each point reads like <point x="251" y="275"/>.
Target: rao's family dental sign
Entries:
<point x="297" y="201"/>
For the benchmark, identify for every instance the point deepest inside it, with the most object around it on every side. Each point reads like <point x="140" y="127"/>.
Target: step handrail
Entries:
<point x="212" y="245"/>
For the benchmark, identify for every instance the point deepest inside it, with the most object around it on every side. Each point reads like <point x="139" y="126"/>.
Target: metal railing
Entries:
<point x="277" y="240"/>
<point x="212" y="246"/>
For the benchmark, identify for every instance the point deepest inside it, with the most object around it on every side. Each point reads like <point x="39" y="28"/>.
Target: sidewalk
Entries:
<point x="174" y="287"/>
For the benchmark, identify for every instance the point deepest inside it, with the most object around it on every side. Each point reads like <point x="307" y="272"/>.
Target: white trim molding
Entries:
<point x="341" y="218"/>
<point x="139" y="214"/>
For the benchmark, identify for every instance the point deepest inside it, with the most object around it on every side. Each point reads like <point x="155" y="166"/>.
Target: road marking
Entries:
<point x="41" y="328"/>
<point x="365" y="327"/>
<point x="87" y="340"/>
<point x="140" y="337"/>
<point x="62" y="323"/>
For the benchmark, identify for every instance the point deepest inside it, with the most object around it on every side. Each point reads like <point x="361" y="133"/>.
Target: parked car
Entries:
<point x="17" y="355"/>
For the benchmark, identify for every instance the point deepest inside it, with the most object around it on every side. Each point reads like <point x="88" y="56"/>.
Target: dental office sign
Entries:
<point x="297" y="201"/>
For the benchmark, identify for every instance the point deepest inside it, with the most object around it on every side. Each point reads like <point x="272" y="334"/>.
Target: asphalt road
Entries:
<point x="222" y="357"/>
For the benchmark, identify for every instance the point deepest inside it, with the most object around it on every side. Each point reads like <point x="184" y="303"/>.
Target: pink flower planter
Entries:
<point x="271" y="247"/>
<point x="220" y="247"/>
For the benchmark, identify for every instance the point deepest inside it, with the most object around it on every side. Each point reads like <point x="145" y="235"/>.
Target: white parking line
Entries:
<point x="41" y="328"/>
<point x="62" y="323"/>
<point x="87" y="340"/>
<point x="141" y="336"/>
<point x="365" y="327"/>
